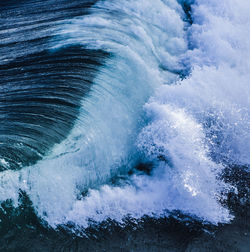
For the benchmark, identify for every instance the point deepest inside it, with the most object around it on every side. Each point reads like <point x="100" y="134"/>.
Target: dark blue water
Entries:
<point x="41" y="88"/>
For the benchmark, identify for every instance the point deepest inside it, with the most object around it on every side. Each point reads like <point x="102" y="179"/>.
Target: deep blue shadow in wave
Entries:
<point x="40" y="99"/>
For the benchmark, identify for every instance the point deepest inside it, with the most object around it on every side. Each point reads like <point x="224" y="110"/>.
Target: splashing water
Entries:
<point x="190" y="129"/>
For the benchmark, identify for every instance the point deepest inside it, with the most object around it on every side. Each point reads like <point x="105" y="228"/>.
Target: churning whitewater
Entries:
<point x="171" y="92"/>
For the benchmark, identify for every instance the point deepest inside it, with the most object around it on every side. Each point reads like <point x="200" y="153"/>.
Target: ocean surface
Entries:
<point x="124" y="125"/>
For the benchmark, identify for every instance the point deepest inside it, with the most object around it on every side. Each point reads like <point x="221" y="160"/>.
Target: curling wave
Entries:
<point x="190" y="129"/>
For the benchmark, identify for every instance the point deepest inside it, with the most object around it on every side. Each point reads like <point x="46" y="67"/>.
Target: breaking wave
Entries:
<point x="171" y="93"/>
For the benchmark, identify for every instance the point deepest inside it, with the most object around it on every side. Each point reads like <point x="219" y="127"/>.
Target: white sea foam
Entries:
<point x="194" y="126"/>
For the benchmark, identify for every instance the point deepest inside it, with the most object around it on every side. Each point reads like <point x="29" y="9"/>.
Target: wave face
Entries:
<point x="41" y="89"/>
<point x="106" y="86"/>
